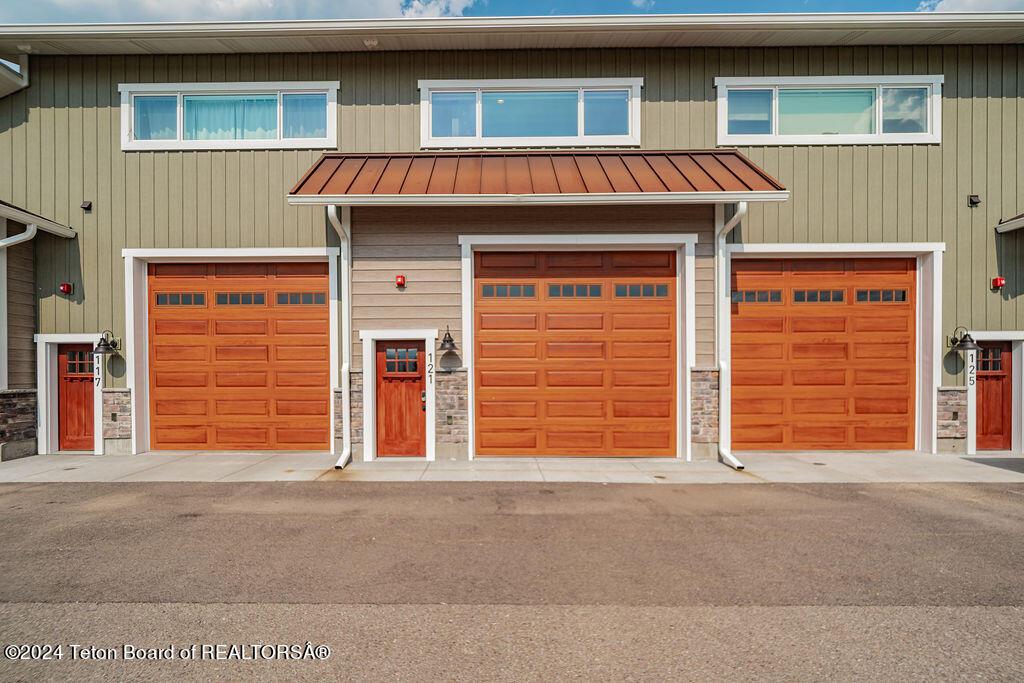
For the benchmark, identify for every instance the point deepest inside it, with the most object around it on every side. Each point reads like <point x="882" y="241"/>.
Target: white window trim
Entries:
<point x="634" y="85"/>
<point x="369" y="339"/>
<point x="928" y="318"/>
<point x="130" y="90"/>
<point x="932" y="82"/>
<point x="136" y="298"/>
<point x="686" y="322"/>
<point x="1016" y="339"/>
<point x="47" y="408"/>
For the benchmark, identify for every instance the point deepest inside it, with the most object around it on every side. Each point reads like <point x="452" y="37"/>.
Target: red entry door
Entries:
<point x="401" y="399"/>
<point x="995" y="379"/>
<point x="75" y="397"/>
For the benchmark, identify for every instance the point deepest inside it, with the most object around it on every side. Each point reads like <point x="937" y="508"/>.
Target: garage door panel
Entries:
<point x="546" y="364"/>
<point x="832" y="381"/>
<point x="488" y="409"/>
<point x="818" y="324"/>
<point x="818" y="378"/>
<point x="304" y="353"/>
<point x="490" y="350"/>
<point x="560" y="409"/>
<point x="641" y="409"/>
<point x="168" y="378"/>
<point x="185" y="327"/>
<point x="248" y="328"/>
<point x="179" y="352"/>
<point x="181" y="408"/>
<point x="573" y="378"/>
<point x="262" y="360"/>
<point x="820" y="406"/>
<point x="231" y="407"/>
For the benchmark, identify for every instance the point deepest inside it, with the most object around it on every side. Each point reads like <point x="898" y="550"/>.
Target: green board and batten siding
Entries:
<point x="60" y="144"/>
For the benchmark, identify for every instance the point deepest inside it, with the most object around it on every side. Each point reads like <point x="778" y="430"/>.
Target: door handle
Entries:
<point x="423" y="400"/>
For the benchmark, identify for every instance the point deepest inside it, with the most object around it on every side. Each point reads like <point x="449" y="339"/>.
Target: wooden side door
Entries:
<point x="401" y="399"/>
<point x="995" y="381"/>
<point x="75" y="397"/>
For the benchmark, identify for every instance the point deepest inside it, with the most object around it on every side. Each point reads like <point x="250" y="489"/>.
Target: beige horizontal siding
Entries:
<point x="60" y="144"/>
<point x="423" y="245"/>
<point x="21" y="311"/>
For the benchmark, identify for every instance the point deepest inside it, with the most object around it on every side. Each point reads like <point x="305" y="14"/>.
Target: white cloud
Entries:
<point x="642" y="4"/>
<point x="54" y="11"/>
<point x="970" y="5"/>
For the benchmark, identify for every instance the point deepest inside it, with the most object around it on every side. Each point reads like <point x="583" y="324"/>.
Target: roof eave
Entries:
<point x="1010" y="225"/>
<point x="21" y="216"/>
<point x="541" y="199"/>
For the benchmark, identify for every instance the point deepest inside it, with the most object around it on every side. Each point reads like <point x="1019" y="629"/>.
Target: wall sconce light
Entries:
<point x="399" y="281"/>
<point x="447" y="343"/>
<point x="107" y="345"/>
<point x="963" y="341"/>
<point x="65" y="288"/>
<point x="87" y="205"/>
<point x="998" y="282"/>
<point x="973" y="200"/>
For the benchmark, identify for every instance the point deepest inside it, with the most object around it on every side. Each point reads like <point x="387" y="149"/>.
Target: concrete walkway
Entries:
<point x="760" y="468"/>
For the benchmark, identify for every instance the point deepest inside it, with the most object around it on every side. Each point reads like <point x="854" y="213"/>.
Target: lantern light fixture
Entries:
<point x="963" y="341"/>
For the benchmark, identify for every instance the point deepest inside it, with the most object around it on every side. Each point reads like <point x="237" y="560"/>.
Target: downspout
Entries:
<point x="29" y="233"/>
<point x="341" y="224"/>
<point x="724" y="374"/>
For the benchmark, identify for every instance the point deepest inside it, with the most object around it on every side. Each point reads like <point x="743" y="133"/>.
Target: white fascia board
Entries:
<point x="549" y="199"/>
<point x="26" y="218"/>
<point x="1015" y="224"/>
<point x="761" y="20"/>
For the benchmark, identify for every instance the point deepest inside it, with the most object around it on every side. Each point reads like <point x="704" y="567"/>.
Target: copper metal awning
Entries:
<point x="552" y="177"/>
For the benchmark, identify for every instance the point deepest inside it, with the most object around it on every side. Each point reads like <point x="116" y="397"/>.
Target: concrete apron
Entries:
<point x="760" y="468"/>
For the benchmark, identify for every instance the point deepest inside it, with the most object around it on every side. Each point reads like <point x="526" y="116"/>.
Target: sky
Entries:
<point x="80" y="11"/>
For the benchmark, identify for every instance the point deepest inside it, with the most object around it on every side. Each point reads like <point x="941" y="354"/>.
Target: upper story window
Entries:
<point x="829" y="110"/>
<point x="546" y="112"/>
<point x="288" y="115"/>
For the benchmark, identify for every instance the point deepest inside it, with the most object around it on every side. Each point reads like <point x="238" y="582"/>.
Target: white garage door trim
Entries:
<point x="683" y="243"/>
<point x="136" y="295"/>
<point x="929" y="323"/>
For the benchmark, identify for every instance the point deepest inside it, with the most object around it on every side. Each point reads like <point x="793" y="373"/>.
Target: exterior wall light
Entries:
<point x="963" y="342"/>
<point x="107" y="345"/>
<point x="447" y="343"/>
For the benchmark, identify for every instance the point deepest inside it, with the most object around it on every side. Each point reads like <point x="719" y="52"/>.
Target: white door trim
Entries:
<point x="137" y="312"/>
<point x="929" y="322"/>
<point x="685" y="246"/>
<point x="47" y="412"/>
<point x="369" y="339"/>
<point x="1016" y="339"/>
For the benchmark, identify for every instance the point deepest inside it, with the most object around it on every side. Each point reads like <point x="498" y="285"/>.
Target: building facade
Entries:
<point x="456" y="239"/>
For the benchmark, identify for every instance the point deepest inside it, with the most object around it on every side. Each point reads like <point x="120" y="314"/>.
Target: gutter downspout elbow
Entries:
<point x="30" y="232"/>
<point x="341" y="226"/>
<point x="724" y="443"/>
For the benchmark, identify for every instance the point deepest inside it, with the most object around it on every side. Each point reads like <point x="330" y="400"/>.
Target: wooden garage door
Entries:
<point x="575" y="353"/>
<point x="239" y="356"/>
<point x="823" y="354"/>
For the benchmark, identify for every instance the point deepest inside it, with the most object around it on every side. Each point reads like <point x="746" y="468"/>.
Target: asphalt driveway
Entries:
<point x="521" y="581"/>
